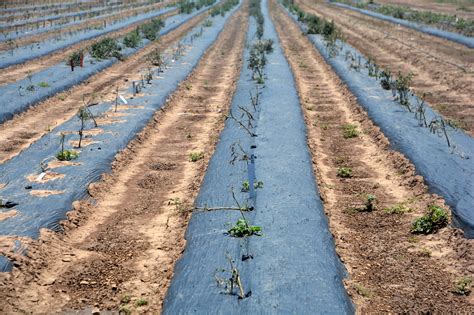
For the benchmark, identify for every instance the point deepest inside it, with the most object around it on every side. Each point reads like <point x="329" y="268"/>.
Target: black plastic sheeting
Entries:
<point x="33" y="51"/>
<point x="35" y="213"/>
<point x="448" y="172"/>
<point x="60" y="77"/>
<point x="455" y="37"/>
<point x="294" y="269"/>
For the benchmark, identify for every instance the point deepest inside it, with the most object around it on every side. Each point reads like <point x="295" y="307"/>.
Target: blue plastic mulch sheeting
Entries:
<point x="455" y="37"/>
<point x="35" y="212"/>
<point x="448" y="171"/>
<point x="59" y="77"/>
<point x="292" y="268"/>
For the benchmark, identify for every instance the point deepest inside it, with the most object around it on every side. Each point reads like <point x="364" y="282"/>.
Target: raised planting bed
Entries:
<point x="455" y="37"/>
<point x="44" y="188"/>
<point x="19" y="96"/>
<point x="443" y="156"/>
<point x="22" y="54"/>
<point x="285" y="261"/>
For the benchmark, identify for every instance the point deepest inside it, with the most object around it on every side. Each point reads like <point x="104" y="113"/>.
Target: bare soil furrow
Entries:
<point x="390" y="269"/>
<point x="118" y="252"/>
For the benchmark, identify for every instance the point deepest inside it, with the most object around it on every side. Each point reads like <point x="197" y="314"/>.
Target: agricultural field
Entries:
<point x="236" y="157"/>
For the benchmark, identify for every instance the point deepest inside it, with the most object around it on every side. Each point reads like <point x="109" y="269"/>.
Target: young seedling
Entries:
<point x="344" y="172"/>
<point x="31" y="86"/>
<point x="435" y="219"/>
<point x="402" y="85"/>
<point x="438" y="126"/>
<point x="234" y="280"/>
<point x="76" y="59"/>
<point x="43" y="84"/>
<point x="350" y="131"/>
<point x="141" y="302"/>
<point x="399" y="208"/>
<point x="65" y="155"/>
<point x="255" y="100"/>
<point x="420" y="112"/>
<point x="84" y="114"/>
<point x="463" y="286"/>
<point x="372" y="67"/>
<point x="156" y="59"/>
<point x="242" y="228"/>
<point x="207" y="23"/>
<point x="370" y="203"/>
<point x="246" y="185"/>
<point x="361" y="290"/>
<point x="386" y="79"/>
<point x="148" y="75"/>
<point x="241" y="123"/>
<point x="196" y="156"/>
<point x="11" y="43"/>
<point x="238" y="153"/>
<point x="257" y="59"/>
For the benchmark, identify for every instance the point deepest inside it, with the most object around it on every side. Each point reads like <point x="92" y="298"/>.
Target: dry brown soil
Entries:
<point x="122" y="248"/>
<point x="390" y="269"/>
<point x="442" y="69"/>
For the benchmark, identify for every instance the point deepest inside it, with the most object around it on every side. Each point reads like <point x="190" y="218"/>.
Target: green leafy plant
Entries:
<point x="125" y="299"/>
<point x="257" y="59"/>
<point x="151" y="29"/>
<point x="402" y="85"/>
<point x="242" y="229"/>
<point x="84" y="115"/>
<point x="463" y="286"/>
<point x="132" y="39"/>
<point x="361" y="290"/>
<point x="246" y="185"/>
<point x="207" y="23"/>
<point x="350" y="131"/>
<point x="386" y="79"/>
<point x="43" y="84"/>
<point x="155" y="58"/>
<point x="196" y="156"/>
<point x="141" y="302"/>
<point x="398" y="208"/>
<point x="435" y="219"/>
<point x="66" y="155"/>
<point x="344" y="172"/>
<point x="106" y="48"/>
<point x="370" y="203"/>
<point x="75" y="59"/>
